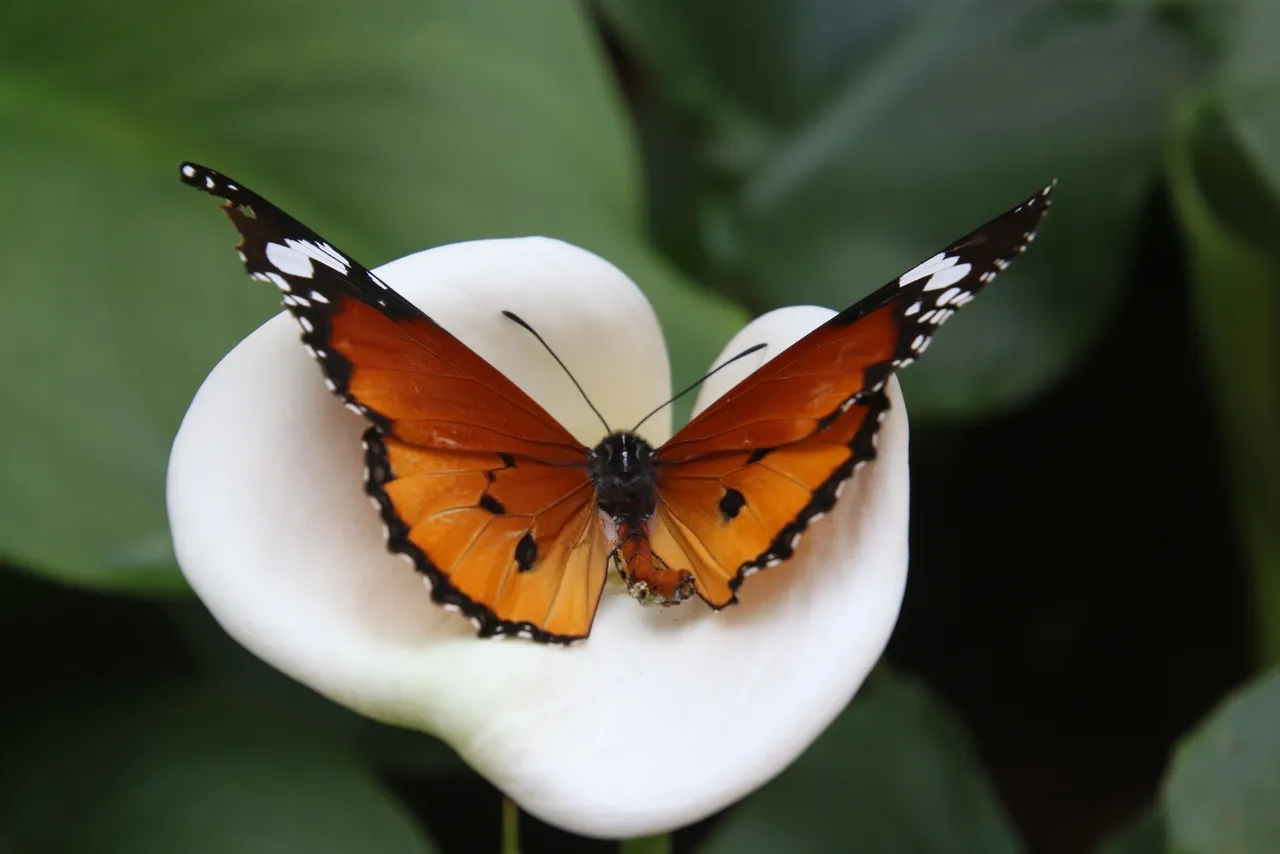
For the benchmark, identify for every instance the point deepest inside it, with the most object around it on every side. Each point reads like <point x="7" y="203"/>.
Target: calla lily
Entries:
<point x="663" y="715"/>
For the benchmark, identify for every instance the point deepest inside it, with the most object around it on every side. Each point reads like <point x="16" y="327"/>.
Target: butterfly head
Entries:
<point x="623" y="470"/>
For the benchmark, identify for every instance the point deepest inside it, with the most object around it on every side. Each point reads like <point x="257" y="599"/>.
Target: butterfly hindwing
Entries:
<point x="482" y="488"/>
<point x="742" y="481"/>
<point x="513" y="533"/>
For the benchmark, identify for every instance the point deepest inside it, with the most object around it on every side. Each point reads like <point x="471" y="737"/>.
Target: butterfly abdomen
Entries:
<point x="649" y="580"/>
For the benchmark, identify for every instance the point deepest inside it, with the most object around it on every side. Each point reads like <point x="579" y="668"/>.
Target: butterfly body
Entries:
<point x="624" y="472"/>
<point x="514" y="522"/>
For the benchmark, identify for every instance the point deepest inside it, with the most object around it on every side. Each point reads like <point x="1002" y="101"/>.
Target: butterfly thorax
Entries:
<point x="624" y="472"/>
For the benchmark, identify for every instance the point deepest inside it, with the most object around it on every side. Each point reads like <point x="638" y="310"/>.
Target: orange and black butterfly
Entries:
<point x="513" y="521"/>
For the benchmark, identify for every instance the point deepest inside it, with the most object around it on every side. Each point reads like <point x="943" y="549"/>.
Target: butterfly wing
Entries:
<point x="479" y="486"/>
<point x="740" y="483"/>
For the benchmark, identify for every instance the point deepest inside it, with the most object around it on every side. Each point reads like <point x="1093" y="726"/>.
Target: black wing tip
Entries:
<point x="1044" y="198"/>
<point x="195" y="175"/>
<point x="208" y="180"/>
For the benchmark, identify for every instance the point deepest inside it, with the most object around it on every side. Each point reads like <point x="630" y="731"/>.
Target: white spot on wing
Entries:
<point x="948" y="295"/>
<point x="947" y="277"/>
<point x="928" y="268"/>
<point x="322" y="252"/>
<point x="189" y="171"/>
<point x="289" y="260"/>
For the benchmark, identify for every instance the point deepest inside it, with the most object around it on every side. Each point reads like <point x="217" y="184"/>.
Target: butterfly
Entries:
<point x="513" y="521"/>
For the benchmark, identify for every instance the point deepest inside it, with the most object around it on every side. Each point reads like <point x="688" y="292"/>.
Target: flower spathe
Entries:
<point x="663" y="715"/>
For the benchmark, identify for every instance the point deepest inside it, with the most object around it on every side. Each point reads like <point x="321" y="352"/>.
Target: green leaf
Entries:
<point x="389" y="126"/>
<point x="1247" y="89"/>
<point x="657" y="844"/>
<point x="172" y="771"/>
<point x="1223" y="785"/>
<point x="895" y="773"/>
<point x="1223" y="159"/>
<point x="1144" y="835"/>
<point x="840" y="144"/>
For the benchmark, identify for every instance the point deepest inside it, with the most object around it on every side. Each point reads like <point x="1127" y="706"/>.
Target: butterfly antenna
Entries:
<point x="747" y="352"/>
<point x="513" y="316"/>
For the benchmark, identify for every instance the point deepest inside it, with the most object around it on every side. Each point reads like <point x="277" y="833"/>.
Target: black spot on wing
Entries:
<point x="526" y="552"/>
<point x="731" y="504"/>
<point x="493" y="505"/>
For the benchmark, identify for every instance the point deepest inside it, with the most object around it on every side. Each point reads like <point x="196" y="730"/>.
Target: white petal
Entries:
<point x="663" y="715"/>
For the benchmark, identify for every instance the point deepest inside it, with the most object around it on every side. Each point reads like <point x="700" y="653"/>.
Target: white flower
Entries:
<point x="662" y="716"/>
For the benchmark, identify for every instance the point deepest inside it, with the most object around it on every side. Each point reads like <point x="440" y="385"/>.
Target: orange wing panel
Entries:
<point x="512" y="542"/>
<point x="426" y="387"/>
<point x="723" y="516"/>
<point x="791" y="395"/>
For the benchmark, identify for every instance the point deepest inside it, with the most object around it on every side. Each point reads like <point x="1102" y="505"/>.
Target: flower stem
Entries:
<point x="659" y="844"/>
<point x="510" y="827"/>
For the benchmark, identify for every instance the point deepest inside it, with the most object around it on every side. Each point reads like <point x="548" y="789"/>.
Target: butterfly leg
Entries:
<point x="650" y="580"/>
<point x="618" y="561"/>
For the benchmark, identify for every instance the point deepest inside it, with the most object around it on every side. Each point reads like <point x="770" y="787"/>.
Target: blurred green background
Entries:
<point x="1087" y="657"/>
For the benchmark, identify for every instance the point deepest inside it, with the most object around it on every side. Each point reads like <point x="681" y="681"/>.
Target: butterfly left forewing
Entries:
<point x="742" y="481"/>
<point x="478" y="485"/>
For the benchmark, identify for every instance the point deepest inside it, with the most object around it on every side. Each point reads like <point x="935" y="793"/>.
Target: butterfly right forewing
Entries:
<point x="741" y="482"/>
